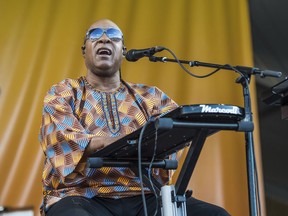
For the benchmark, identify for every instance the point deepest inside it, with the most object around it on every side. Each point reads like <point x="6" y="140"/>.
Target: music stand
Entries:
<point x="278" y="95"/>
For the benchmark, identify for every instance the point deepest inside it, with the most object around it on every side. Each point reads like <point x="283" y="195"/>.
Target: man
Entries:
<point x="84" y="115"/>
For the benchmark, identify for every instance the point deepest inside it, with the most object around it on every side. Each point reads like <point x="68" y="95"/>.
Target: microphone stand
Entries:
<point x="244" y="80"/>
<point x="242" y="69"/>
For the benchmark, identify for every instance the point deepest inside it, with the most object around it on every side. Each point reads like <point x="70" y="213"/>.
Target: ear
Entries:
<point x="83" y="49"/>
<point x="124" y="50"/>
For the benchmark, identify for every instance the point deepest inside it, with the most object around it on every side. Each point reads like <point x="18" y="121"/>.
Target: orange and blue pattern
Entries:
<point x="73" y="114"/>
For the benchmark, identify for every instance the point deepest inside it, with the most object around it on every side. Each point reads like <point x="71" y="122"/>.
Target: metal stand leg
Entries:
<point x="172" y="205"/>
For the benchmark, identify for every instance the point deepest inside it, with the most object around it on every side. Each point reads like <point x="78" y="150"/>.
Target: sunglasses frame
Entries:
<point x="104" y="31"/>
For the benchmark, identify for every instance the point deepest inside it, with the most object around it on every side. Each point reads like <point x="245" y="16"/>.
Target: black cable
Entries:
<point x="257" y="188"/>
<point x="187" y="71"/>
<point x="150" y="168"/>
<point x="140" y="166"/>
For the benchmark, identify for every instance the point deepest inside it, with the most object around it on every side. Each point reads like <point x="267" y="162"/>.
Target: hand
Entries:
<point x="98" y="143"/>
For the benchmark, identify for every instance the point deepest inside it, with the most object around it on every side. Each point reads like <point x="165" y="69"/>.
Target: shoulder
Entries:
<point x="144" y="89"/>
<point x="65" y="90"/>
<point x="66" y="87"/>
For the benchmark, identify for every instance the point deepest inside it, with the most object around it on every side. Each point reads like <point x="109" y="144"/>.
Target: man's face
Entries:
<point x="103" y="56"/>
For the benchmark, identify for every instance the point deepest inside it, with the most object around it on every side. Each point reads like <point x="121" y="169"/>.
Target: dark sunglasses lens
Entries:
<point x="95" y="34"/>
<point x="114" y="34"/>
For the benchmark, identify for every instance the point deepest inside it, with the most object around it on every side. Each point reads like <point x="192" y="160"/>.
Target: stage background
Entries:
<point x="40" y="45"/>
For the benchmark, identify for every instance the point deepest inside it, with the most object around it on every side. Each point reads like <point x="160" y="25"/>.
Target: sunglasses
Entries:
<point x="112" y="33"/>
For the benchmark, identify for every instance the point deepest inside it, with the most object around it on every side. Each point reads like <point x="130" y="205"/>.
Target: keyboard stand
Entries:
<point x="173" y="135"/>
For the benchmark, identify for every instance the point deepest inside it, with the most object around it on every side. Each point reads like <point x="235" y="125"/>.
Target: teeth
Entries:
<point x="104" y="51"/>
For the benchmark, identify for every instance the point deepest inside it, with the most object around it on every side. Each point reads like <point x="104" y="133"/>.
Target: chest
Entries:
<point x="109" y="114"/>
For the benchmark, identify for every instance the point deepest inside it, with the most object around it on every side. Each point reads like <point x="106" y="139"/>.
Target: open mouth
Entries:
<point x="104" y="51"/>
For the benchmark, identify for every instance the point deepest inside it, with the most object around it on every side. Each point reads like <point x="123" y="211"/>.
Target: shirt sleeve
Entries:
<point x="62" y="136"/>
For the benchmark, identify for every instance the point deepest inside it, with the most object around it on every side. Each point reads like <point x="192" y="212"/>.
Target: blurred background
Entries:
<point x="40" y="45"/>
<point x="270" y="51"/>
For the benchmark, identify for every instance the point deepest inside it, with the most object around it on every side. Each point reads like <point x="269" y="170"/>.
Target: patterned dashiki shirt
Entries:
<point x="73" y="114"/>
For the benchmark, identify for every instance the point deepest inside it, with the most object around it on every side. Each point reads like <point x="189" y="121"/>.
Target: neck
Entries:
<point x="107" y="84"/>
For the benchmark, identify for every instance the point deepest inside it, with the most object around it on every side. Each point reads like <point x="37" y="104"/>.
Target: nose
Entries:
<point x="104" y="39"/>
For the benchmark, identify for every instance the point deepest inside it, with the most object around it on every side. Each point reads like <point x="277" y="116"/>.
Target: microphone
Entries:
<point x="135" y="54"/>
<point x="257" y="71"/>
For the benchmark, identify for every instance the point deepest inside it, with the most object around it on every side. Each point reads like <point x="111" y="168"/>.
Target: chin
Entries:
<point x="105" y="73"/>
